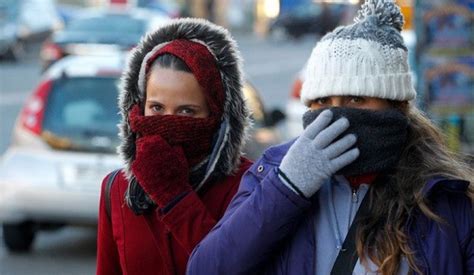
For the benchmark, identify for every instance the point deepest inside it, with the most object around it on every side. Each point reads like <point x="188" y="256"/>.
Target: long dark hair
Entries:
<point x="382" y="235"/>
<point x="135" y="197"/>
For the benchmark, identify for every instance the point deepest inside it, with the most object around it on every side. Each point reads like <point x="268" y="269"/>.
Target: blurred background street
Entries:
<point x="271" y="66"/>
<point x="60" y="61"/>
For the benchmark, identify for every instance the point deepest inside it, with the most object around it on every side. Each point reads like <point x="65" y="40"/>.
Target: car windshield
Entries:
<point x="111" y="24"/>
<point x="112" y="29"/>
<point x="83" y="114"/>
<point x="307" y="10"/>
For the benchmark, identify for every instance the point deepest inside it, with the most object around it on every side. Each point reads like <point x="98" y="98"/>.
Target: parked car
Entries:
<point x="64" y="143"/>
<point x="20" y="23"/>
<point x="307" y="18"/>
<point x="100" y="32"/>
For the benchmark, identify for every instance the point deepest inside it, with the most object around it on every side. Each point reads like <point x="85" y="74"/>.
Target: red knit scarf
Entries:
<point x="194" y="135"/>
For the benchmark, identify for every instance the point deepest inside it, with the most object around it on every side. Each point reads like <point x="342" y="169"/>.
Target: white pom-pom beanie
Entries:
<point x="367" y="58"/>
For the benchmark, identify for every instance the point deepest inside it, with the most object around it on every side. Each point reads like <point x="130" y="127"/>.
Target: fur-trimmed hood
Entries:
<point x="226" y="154"/>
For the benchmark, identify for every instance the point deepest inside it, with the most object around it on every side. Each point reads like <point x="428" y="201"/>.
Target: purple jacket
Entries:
<point x="267" y="229"/>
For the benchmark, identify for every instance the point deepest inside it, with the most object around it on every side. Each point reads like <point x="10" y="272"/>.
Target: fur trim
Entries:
<point x="229" y="63"/>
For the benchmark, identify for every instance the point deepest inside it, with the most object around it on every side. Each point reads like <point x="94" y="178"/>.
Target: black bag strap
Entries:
<point x="108" y="187"/>
<point x="347" y="257"/>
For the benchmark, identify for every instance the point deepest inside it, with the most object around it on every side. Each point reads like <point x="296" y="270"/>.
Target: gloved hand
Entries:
<point x="315" y="157"/>
<point x="161" y="170"/>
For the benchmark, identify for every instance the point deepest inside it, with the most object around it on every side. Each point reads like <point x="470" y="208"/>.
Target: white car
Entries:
<point x="63" y="144"/>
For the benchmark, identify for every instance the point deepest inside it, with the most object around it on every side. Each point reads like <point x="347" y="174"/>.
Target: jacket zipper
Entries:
<point x="354" y="200"/>
<point x="355" y="195"/>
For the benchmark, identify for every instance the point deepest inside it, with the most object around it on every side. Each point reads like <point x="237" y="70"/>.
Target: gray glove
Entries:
<point x="315" y="157"/>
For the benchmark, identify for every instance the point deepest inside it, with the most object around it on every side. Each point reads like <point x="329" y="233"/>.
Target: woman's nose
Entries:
<point x="337" y="101"/>
<point x="168" y="112"/>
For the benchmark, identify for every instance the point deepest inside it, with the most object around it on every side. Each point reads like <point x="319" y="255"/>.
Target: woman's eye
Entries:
<point x="187" y="112"/>
<point x="321" y="101"/>
<point x="156" y="108"/>
<point x="356" y="99"/>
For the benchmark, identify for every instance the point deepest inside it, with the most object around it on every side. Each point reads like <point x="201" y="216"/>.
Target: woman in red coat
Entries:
<point x="183" y="126"/>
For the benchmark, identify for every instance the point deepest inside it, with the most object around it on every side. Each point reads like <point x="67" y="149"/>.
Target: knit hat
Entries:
<point x="367" y="58"/>
<point x="198" y="57"/>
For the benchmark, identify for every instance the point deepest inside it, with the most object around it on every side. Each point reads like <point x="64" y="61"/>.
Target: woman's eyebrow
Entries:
<point x="151" y="100"/>
<point x="190" y="105"/>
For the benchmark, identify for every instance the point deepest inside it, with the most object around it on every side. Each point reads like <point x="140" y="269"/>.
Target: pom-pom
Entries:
<point x="386" y="12"/>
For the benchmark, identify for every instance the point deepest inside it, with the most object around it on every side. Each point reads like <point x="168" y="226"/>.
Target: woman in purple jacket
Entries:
<point x="364" y="143"/>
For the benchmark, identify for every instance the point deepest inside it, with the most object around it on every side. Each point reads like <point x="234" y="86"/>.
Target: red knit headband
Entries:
<point x="204" y="67"/>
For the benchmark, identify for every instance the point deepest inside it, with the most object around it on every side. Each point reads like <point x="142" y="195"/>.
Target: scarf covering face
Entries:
<point x="381" y="136"/>
<point x="193" y="135"/>
<point x="223" y="56"/>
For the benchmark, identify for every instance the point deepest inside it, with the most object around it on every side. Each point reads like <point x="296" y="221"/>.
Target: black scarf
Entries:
<point x="381" y="137"/>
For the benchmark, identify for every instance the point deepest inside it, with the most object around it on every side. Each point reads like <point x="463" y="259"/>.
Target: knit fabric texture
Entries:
<point x="380" y="136"/>
<point x="235" y="119"/>
<point x="367" y="58"/>
<point x="201" y="62"/>
<point x="225" y="156"/>
<point x="194" y="135"/>
<point x="318" y="153"/>
<point x="162" y="184"/>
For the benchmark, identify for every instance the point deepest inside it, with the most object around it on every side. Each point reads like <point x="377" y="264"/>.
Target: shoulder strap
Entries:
<point x="108" y="187"/>
<point x="347" y="257"/>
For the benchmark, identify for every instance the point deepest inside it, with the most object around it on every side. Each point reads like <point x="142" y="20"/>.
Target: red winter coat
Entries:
<point x="156" y="243"/>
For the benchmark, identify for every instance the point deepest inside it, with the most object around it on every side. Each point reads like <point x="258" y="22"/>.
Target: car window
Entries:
<point x="84" y="111"/>
<point x="303" y="11"/>
<point x="109" y="24"/>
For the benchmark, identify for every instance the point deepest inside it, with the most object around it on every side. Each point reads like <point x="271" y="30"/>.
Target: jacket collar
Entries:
<point x="437" y="184"/>
<point x="275" y="154"/>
